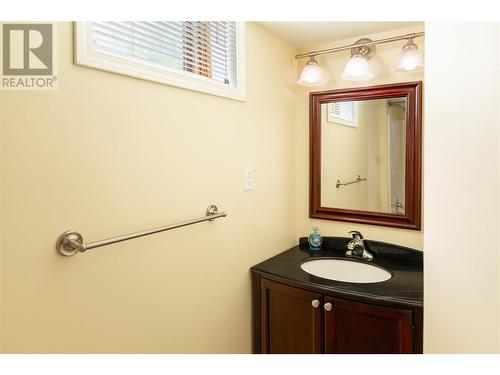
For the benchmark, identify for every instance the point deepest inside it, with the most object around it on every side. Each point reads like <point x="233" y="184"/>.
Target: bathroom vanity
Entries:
<point x="297" y="312"/>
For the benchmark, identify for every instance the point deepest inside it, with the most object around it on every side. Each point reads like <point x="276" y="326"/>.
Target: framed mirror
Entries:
<point x="365" y="155"/>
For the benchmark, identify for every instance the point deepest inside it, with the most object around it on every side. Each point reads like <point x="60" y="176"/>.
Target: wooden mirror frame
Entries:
<point x="412" y="91"/>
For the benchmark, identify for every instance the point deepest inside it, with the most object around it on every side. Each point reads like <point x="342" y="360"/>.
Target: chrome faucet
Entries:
<point x="356" y="247"/>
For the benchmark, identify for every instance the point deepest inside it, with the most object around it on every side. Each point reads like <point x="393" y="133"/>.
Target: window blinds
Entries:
<point x="206" y="49"/>
<point x="343" y="113"/>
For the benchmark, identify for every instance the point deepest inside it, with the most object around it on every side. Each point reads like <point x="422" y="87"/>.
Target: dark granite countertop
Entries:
<point x="404" y="288"/>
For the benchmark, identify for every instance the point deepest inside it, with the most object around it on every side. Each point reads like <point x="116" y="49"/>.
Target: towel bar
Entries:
<point x="358" y="179"/>
<point x="71" y="242"/>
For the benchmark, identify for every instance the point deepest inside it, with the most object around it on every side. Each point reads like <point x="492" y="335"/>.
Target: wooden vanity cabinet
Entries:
<point x="284" y="307"/>
<point x="294" y="320"/>
<point x="361" y="328"/>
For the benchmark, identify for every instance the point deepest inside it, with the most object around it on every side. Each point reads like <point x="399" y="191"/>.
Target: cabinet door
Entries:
<point x="291" y="319"/>
<point x="354" y="327"/>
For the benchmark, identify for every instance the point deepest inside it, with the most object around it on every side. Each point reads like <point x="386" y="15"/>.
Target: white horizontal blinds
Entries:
<point x="205" y="49"/>
<point x="197" y="48"/>
<point x="343" y="110"/>
<point x="343" y="113"/>
<point x="223" y="42"/>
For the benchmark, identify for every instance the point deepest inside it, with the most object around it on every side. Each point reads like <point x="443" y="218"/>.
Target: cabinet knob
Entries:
<point x="328" y="306"/>
<point x="315" y="303"/>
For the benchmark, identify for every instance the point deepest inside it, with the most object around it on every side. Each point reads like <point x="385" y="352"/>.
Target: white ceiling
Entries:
<point x="303" y="34"/>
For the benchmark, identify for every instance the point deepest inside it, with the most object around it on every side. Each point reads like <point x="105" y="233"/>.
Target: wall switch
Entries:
<point x="324" y="171"/>
<point x="248" y="178"/>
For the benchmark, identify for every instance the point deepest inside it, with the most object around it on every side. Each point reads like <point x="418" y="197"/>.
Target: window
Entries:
<point x="200" y="56"/>
<point x="345" y="113"/>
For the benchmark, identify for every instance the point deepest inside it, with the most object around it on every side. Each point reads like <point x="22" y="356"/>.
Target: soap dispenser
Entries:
<point x="315" y="239"/>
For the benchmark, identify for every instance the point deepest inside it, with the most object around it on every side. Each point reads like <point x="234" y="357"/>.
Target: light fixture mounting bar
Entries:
<point x="350" y="46"/>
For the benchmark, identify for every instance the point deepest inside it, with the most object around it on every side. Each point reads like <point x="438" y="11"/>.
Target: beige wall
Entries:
<point x="462" y="204"/>
<point x="107" y="154"/>
<point x="385" y="56"/>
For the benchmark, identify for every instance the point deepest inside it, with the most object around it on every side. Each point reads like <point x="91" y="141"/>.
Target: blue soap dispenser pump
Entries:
<point x="315" y="239"/>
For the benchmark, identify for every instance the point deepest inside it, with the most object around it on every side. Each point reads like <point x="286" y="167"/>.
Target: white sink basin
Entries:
<point x="345" y="270"/>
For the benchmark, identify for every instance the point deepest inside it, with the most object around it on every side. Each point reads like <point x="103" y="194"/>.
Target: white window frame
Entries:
<point x="86" y="55"/>
<point x="341" y="120"/>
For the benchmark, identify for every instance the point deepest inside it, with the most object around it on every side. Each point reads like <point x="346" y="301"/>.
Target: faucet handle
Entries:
<point x="355" y="234"/>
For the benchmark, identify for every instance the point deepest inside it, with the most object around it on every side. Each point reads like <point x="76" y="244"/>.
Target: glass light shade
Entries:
<point x="411" y="60"/>
<point x="312" y="75"/>
<point x="357" y="69"/>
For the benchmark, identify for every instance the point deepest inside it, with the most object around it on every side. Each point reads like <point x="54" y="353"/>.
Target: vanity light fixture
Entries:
<point x="312" y="75"/>
<point x="358" y="68"/>
<point x="411" y="59"/>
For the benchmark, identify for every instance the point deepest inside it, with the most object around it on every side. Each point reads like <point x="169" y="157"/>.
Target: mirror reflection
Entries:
<point x="363" y="146"/>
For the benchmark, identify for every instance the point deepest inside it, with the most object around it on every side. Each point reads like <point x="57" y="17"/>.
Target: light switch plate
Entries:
<point x="248" y="178"/>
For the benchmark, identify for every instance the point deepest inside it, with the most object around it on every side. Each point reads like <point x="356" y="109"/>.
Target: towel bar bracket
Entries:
<point x="212" y="210"/>
<point x="71" y="242"/>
